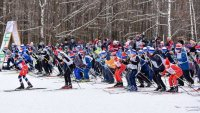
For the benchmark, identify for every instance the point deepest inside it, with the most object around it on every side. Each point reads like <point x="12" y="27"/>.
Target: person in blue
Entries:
<point x="132" y="70"/>
<point x="106" y="71"/>
<point x="26" y="56"/>
<point x="182" y="61"/>
<point x="166" y="54"/>
<point x="145" y="73"/>
<point x="87" y="61"/>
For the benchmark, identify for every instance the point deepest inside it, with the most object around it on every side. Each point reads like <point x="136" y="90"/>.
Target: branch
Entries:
<point x="86" y="24"/>
<point x="69" y="2"/>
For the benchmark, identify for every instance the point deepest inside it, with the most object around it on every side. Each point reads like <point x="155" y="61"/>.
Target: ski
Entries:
<point x="115" y="87"/>
<point x="60" y="89"/>
<point x="81" y="81"/>
<point x="119" y="91"/>
<point x="23" y="89"/>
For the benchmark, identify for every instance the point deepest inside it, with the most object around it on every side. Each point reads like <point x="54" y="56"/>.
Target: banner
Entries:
<point x="11" y="31"/>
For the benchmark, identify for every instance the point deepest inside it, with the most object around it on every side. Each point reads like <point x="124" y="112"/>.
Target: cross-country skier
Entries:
<point x="132" y="70"/>
<point x="120" y="68"/>
<point x="182" y="60"/>
<point x="158" y="67"/>
<point x="175" y="73"/>
<point x="23" y="71"/>
<point x="67" y="68"/>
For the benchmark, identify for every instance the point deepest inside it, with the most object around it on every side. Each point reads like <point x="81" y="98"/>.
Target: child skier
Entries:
<point x="24" y="70"/>
<point x="132" y="70"/>
<point x="175" y="73"/>
<point x="120" y="68"/>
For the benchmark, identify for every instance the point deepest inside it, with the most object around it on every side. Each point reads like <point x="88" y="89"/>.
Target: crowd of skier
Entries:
<point x="137" y="60"/>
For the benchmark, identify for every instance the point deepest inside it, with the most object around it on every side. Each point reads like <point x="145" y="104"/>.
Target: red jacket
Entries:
<point x="24" y="69"/>
<point x="178" y="71"/>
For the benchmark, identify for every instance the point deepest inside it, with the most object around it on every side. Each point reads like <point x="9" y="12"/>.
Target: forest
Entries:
<point x="54" y="20"/>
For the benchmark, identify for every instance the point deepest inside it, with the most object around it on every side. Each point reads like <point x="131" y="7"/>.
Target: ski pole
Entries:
<point x="187" y="84"/>
<point x="147" y="79"/>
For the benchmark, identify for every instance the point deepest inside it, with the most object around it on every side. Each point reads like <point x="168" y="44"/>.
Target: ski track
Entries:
<point x="90" y="98"/>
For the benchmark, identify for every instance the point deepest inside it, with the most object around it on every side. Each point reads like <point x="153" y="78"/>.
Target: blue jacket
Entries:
<point x="88" y="62"/>
<point x="26" y="57"/>
<point x="183" y="60"/>
<point x="144" y="65"/>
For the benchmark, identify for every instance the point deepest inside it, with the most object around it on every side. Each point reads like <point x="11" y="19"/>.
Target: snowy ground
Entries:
<point x="91" y="98"/>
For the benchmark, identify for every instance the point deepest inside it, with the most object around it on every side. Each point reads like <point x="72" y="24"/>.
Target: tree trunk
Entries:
<point x="169" y="18"/>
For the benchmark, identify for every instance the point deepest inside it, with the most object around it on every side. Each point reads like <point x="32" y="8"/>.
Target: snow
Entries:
<point x="90" y="98"/>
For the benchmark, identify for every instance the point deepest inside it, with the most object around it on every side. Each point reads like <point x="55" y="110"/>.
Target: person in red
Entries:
<point x="175" y="73"/>
<point x="169" y="43"/>
<point x="23" y="72"/>
<point x="115" y="46"/>
<point x="120" y="67"/>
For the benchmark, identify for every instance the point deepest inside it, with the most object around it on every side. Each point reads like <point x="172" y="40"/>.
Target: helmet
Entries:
<point x="151" y="50"/>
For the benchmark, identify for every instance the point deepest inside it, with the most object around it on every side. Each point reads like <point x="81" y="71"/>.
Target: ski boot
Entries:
<point x="21" y="86"/>
<point x="29" y="85"/>
<point x="85" y="80"/>
<point x="149" y="84"/>
<point x="158" y="88"/>
<point x="38" y="73"/>
<point x="67" y="87"/>
<point x="132" y="88"/>
<point x="119" y="84"/>
<point x="162" y="89"/>
<point x="171" y="89"/>
<point x="141" y="85"/>
<point x="176" y="89"/>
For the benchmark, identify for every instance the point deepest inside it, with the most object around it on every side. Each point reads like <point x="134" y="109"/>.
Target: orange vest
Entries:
<point x="111" y="63"/>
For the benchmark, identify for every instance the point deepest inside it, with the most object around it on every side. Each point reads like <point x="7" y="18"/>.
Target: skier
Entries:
<point x="87" y="61"/>
<point x="132" y="70"/>
<point x="24" y="70"/>
<point x="67" y="68"/>
<point x="175" y="73"/>
<point x="120" y="67"/>
<point x="45" y="62"/>
<point x="108" y="68"/>
<point x="182" y="61"/>
<point x="158" y="67"/>
<point x="145" y="72"/>
<point x="79" y="65"/>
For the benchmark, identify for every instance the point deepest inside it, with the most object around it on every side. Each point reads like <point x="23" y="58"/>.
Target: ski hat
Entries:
<point x="197" y="48"/>
<point x="115" y="42"/>
<point x="132" y="51"/>
<point x="145" y="49"/>
<point x="23" y="47"/>
<point x="102" y="53"/>
<point x="72" y="54"/>
<point x="164" y="49"/>
<point x="151" y="50"/>
<point x="167" y="63"/>
<point x="124" y="55"/>
<point x="78" y="48"/>
<point x="140" y="52"/>
<point x="179" y="46"/>
<point x="82" y="52"/>
<point x="148" y="47"/>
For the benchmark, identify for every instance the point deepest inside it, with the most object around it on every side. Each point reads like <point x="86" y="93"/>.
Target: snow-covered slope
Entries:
<point x="90" y="98"/>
